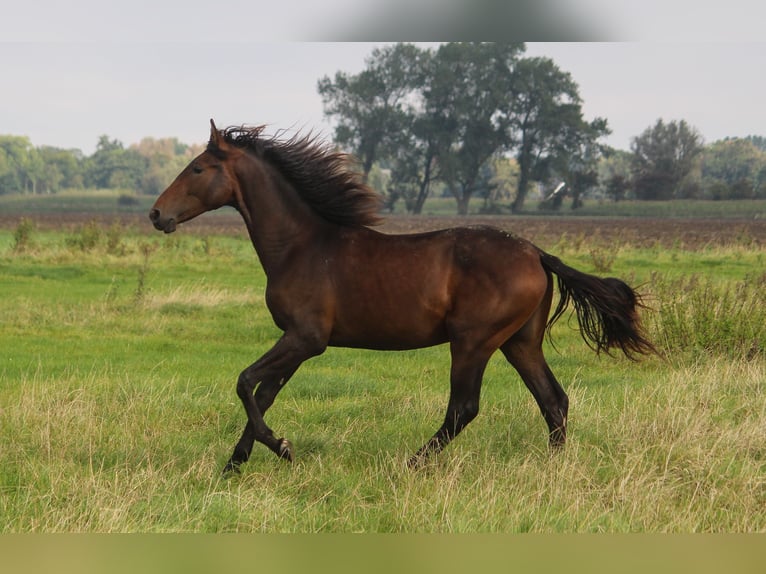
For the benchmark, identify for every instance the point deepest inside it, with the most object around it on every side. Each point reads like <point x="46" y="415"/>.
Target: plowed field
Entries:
<point x="686" y="233"/>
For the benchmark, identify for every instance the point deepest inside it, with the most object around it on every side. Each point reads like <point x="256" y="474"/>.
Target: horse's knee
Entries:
<point x="245" y="386"/>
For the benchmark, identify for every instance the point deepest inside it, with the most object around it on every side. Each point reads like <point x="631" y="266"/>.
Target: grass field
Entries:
<point x="118" y="408"/>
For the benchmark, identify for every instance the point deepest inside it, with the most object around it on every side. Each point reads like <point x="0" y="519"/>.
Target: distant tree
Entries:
<point x="373" y="106"/>
<point x="662" y="157"/>
<point x="414" y="168"/>
<point x="546" y="125"/>
<point x="734" y="169"/>
<point x="442" y="114"/>
<point x="412" y="152"/>
<point x="502" y="177"/>
<point x="62" y="168"/>
<point x="165" y="158"/>
<point x="19" y="166"/>
<point x="614" y="173"/>
<point x="113" y="166"/>
<point x="576" y="156"/>
<point x="468" y="86"/>
<point x="757" y="141"/>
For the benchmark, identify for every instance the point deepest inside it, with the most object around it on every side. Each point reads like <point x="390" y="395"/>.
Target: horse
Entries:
<point x="334" y="281"/>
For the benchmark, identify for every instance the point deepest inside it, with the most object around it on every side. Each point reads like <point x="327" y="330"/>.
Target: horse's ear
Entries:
<point x="215" y="135"/>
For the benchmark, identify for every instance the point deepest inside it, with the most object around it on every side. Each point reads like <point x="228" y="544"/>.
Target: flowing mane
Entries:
<point x="323" y="177"/>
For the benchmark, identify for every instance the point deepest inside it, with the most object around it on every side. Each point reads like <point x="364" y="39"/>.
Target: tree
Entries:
<point x="614" y="173"/>
<point x="412" y="153"/>
<point x="113" y="166"/>
<point x="734" y="169"/>
<point x="662" y="156"/>
<point x="61" y="169"/>
<point x="577" y="157"/>
<point x="467" y="88"/>
<point x="546" y="126"/>
<point x="502" y="180"/>
<point x="757" y="141"/>
<point x="444" y="114"/>
<point x="19" y="166"/>
<point x="164" y="158"/>
<point x="372" y="107"/>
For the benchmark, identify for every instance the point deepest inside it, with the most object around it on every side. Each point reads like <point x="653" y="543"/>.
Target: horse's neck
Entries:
<point x="277" y="219"/>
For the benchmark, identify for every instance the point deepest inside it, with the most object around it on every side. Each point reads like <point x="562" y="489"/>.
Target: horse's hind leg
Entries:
<point x="524" y="352"/>
<point x="465" y="388"/>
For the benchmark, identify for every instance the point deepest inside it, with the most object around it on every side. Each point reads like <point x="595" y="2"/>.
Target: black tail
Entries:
<point x="607" y="309"/>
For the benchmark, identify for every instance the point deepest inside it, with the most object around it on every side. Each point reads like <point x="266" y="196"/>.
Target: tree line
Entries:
<point x="146" y="167"/>
<point x="474" y="119"/>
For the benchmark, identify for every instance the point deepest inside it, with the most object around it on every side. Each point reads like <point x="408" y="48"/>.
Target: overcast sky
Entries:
<point x="96" y="68"/>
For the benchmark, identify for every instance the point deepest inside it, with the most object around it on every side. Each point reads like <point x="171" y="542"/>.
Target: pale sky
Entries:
<point x="162" y="69"/>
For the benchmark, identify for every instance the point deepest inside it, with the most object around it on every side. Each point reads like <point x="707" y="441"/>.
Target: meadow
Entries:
<point x="121" y="349"/>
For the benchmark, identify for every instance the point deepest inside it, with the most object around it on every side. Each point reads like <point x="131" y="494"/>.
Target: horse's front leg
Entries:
<point x="268" y="374"/>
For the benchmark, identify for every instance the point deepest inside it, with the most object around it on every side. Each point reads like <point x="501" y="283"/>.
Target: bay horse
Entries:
<point x="334" y="281"/>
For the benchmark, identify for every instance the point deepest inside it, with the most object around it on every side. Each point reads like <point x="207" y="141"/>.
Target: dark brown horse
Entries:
<point x="333" y="281"/>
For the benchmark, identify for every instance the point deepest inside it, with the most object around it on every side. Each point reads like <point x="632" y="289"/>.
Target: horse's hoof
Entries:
<point x="231" y="469"/>
<point x="286" y="449"/>
<point x="417" y="461"/>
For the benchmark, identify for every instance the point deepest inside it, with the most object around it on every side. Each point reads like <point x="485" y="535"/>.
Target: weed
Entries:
<point x="87" y="237"/>
<point x="698" y="315"/>
<point x="22" y="236"/>
<point x="114" y="239"/>
<point x="146" y="250"/>
<point x="603" y="258"/>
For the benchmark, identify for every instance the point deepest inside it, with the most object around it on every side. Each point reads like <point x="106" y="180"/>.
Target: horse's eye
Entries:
<point x="197" y="169"/>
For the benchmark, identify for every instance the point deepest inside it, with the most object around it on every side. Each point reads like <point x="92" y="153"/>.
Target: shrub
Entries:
<point x="127" y="200"/>
<point x="22" y="235"/>
<point x="86" y="238"/>
<point x="700" y="316"/>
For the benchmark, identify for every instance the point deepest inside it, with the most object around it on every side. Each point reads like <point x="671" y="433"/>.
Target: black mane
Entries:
<point x="322" y="176"/>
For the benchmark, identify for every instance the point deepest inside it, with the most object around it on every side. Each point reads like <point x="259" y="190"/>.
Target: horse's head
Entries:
<point x="207" y="183"/>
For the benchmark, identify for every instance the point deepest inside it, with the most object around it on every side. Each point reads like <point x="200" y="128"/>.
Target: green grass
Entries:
<point x="118" y="408"/>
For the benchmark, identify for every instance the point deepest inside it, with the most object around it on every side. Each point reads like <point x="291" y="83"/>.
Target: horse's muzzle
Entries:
<point x="161" y="224"/>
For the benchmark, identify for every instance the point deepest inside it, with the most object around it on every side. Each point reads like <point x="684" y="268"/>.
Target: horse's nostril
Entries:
<point x="154" y="214"/>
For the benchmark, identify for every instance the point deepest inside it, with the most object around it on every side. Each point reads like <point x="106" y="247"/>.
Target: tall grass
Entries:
<point x="114" y="452"/>
<point x="703" y="316"/>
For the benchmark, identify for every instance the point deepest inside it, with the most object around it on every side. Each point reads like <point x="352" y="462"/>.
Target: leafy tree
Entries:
<point x="165" y="158"/>
<point x="113" y="166"/>
<point x="614" y="173"/>
<point x="61" y="169"/>
<point x="502" y="177"/>
<point x="757" y="141"/>
<point x="372" y="107"/>
<point x="575" y="156"/>
<point x="412" y="153"/>
<point x="414" y="169"/>
<point x="19" y="168"/>
<point x="468" y="86"/>
<point x="443" y="114"/>
<point x="734" y="169"/>
<point x="546" y="126"/>
<point x="662" y="157"/>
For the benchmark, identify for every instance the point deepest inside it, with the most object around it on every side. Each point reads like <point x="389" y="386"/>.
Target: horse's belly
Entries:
<point x="389" y="329"/>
